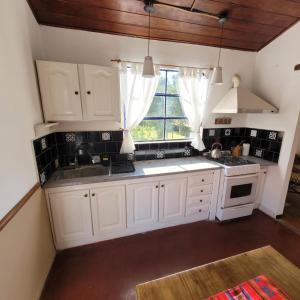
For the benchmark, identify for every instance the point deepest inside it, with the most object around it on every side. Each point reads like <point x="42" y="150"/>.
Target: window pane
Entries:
<point x="162" y="83"/>
<point x="149" y="130"/>
<point x="172" y="84"/>
<point x="173" y="107"/>
<point x="177" y="129"/>
<point x="157" y="108"/>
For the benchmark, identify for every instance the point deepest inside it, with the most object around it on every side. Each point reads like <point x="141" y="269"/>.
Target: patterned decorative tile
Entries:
<point x="258" y="152"/>
<point x="187" y="152"/>
<point x="43" y="178"/>
<point x="160" y="154"/>
<point x="211" y="132"/>
<point x="272" y="135"/>
<point x="253" y="133"/>
<point x="43" y="143"/>
<point x="105" y="136"/>
<point x="227" y="132"/>
<point x="70" y="137"/>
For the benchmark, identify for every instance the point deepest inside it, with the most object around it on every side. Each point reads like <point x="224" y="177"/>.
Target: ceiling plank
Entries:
<point x="282" y="7"/>
<point x="245" y="13"/>
<point x="62" y="20"/>
<point x="156" y="23"/>
<point x="252" y="24"/>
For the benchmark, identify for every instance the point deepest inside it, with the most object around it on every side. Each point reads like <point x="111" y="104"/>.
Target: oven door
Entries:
<point x="239" y="190"/>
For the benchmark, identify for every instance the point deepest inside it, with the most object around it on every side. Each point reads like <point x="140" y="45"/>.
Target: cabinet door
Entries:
<point x="172" y="199"/>
<point x="142" y="204"/>
<point x="100" y="92"/>
<point x="71" y="213"/>
<point x="59" y="85"/>
<point x="108" y="209"/>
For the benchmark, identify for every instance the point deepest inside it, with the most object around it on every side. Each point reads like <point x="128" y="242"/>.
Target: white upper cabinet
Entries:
<point x="172" y="199"/>
<point x="59" y="85"/>
<point x="72" y="92"/>
<point x="100" y="93"/>
<point x="108" y="209"/>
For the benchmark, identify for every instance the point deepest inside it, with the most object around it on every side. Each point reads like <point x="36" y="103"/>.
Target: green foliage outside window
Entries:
<point x="165" y="119"/>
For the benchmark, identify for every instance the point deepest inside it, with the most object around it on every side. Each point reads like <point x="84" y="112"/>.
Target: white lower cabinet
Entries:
<point x="108" y="210"/>
<point x="96" y="212"/>
<point x="71" y="216"/>
<point x="172" y="197"/>
<point x="142" y="203"/>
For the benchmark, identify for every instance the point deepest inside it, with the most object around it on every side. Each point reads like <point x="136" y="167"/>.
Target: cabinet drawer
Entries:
<point x="198" y="201"/>
<point x="201" y="211"/>
<point x="200" y="179"/>
<point x="199" y="190"/>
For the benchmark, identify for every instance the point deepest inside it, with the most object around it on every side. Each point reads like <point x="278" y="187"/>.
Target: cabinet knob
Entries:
<point x="156" y="186"/>
<point x="162" y="185"/>
<point x="200" y="210"/>
<point x="85" y="195"/>
<point x="201" y="191"/>
<point x="93" y="195"/>
<point x="76" y="92"/>
<point x="88" y="92"/>
<point x="202" y="180"/>
<point x="201" y="200"/>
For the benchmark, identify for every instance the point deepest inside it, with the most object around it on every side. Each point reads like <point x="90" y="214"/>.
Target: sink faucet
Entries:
<point x="79" y="151"/>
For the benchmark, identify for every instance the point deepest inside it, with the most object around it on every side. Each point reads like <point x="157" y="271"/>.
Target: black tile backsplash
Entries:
<point x="164" y="150"/>
<point x="265" y="144"/>
<point x="58" y="149"/>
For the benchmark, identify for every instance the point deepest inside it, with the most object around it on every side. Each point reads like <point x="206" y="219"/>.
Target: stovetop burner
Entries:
<point x="232" y="161"/>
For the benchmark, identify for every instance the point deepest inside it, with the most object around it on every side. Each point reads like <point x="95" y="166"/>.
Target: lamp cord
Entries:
<point x="221" y="42"/>
<point x="149" y="35"/>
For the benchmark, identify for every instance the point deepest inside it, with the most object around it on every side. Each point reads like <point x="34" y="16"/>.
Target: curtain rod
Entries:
<point x="163" y="65"/>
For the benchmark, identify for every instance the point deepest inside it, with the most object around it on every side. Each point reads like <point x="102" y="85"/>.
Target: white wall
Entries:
<point x="276" y="81"/>
<point x="95" y="48"/>
<point x="20" y="42"/>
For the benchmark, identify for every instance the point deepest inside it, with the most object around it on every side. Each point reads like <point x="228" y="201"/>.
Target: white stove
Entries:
<point x="234" y="166"/>
<point x="237" y="187"/>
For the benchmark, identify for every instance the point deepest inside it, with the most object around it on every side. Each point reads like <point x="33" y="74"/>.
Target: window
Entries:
<point x="165" y="119"/>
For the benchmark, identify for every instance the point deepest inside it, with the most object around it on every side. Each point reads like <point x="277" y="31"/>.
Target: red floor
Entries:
<point x="112" y="269"/>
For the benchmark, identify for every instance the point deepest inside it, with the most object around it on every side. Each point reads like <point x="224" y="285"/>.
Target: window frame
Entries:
<point x="165" y="118"/>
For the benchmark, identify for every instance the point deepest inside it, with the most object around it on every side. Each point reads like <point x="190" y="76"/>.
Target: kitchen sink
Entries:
<point x="85" y="171"/>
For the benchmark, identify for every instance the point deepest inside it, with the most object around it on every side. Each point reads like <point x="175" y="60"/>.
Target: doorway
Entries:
<point x="291" y="215"/>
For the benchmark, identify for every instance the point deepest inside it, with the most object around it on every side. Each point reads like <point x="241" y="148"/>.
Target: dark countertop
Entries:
<point x="143" y="169"/>
<point x="148" y="168"/>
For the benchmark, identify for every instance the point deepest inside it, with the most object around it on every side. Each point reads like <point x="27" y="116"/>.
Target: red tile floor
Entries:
<point x="111" y="269"/>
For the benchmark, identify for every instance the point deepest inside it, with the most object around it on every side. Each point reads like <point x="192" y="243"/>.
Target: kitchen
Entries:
<point x="169" y="175"/>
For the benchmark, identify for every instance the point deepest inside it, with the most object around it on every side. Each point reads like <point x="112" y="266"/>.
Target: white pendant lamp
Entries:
<point x="148" y="68"/>
<point x="217" y="75"/>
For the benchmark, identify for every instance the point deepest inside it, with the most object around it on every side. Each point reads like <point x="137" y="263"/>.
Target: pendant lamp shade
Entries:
<point x="217" y="76"/>
<point x="148" y="68"/>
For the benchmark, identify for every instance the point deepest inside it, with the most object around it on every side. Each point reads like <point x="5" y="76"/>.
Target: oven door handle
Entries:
<point x="242" y="176"/>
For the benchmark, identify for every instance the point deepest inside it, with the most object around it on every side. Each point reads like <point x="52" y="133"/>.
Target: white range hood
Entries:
<point x="240" y="100"/>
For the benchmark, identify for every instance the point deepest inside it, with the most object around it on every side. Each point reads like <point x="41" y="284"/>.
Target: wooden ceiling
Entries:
<point x="252" y="24"/>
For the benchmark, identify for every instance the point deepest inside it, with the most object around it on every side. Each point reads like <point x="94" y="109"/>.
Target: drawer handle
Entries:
<point x="200" y="210"/>
<point x="85" y="195"/>
<point x="76" y="92"/>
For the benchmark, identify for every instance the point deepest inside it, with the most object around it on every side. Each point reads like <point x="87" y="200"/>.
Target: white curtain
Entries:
<point x="137" y="94"/>
<point x="193" y="85"/>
